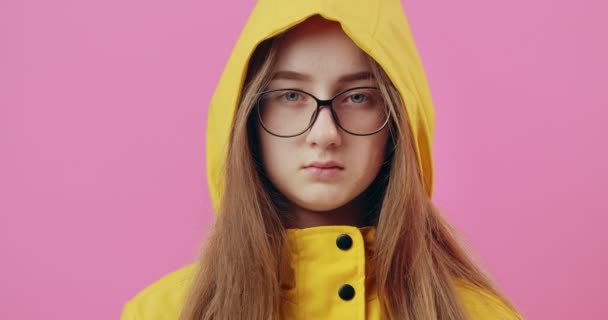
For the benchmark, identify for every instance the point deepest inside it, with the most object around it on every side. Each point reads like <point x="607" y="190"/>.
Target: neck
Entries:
<point x="349" y="214"/>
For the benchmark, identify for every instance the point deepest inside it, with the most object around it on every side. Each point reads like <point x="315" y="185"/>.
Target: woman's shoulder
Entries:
<point x="481" y="304"/>
<point x="162" y="299"/>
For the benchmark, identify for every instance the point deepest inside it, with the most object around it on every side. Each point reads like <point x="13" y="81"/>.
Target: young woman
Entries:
<point x="319" y="164"/>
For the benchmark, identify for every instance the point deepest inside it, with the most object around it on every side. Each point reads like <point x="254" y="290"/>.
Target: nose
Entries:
<point x="324" y="131"/>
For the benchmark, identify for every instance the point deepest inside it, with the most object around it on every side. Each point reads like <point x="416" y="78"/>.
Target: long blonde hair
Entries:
<point x="417" y="255"/>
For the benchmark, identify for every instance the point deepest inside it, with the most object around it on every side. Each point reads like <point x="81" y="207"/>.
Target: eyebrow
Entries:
<point x="292" y="75"/>
<point x="357" y="76"/>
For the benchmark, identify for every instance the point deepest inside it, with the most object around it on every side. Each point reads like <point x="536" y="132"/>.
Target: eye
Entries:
<point x="291" y="96"/>
<point x="358" y="98"/>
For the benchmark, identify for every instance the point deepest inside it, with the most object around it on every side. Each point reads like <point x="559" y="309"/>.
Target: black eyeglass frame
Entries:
<point x="320" y="103"/>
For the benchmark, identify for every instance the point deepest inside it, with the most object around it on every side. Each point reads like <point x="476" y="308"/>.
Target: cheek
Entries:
<point x="375" y="148"/>
<point x="274" y="154"/>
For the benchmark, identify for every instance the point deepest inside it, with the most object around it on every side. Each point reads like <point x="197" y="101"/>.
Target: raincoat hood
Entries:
<point x="378" y="27"/>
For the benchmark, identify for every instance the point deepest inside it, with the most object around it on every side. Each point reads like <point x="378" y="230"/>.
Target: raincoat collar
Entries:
<point x="325" y="259"/>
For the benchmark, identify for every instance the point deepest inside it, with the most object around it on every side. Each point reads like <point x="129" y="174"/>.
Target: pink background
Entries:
<point x="102" y="125"/>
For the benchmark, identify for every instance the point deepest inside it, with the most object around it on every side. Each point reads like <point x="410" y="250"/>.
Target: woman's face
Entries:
<point x="318" y="57"/>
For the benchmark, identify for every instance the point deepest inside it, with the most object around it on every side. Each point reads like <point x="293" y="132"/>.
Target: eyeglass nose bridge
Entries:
<point x="321" y="103"/>
<point x="329" y="104"/>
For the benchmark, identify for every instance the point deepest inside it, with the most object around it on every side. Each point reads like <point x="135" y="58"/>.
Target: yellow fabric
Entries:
<point x="319" y="268"/>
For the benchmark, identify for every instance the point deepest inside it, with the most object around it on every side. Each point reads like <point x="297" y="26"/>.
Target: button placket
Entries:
<point x="344" y="243"/>
<point x="336" y="273"/>
<point x="351" y="246"/>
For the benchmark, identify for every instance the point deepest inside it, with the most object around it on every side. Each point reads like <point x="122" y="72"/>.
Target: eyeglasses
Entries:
<point x="286" y="113"/>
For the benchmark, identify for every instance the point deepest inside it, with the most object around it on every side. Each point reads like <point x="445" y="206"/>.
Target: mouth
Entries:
<point x="324" y="165"/>
<point x="323" y="170"/>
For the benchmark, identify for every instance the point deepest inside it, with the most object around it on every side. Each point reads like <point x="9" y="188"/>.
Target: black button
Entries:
<point x="344" y="242"/>
<point x="346" y="292"/>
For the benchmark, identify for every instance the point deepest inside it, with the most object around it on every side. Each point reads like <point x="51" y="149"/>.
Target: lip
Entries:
<point x="323" y="170"/>
<point x="324" y="165"/>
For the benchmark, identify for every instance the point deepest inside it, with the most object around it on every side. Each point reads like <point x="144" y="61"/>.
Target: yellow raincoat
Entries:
<point x="330" y="281"/>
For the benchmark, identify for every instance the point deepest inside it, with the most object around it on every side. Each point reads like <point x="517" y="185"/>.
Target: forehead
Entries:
<point x="320" y="47"/>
